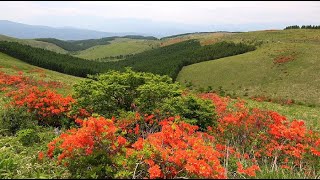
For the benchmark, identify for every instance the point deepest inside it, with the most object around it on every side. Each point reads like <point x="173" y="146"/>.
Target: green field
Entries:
<point x="257" y="73"/>
<point x="119" y="46"/>
<point x="34" y="43"/>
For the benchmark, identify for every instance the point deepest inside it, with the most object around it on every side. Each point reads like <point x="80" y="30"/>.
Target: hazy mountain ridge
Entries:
<point x="25" y="31"/>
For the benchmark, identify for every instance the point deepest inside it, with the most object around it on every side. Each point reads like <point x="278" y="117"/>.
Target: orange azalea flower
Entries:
<point x="154" y="171"/>
<point x="40" y="156"/>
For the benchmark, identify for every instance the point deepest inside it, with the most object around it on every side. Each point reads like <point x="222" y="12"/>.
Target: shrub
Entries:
<point x="113" y="92"/>
<point x="193" y="109"/>
<point x="90" y="151"/>
<point x="27" y="137"/>
<point x="49" y="107"/>
<point x="12" y="120"/>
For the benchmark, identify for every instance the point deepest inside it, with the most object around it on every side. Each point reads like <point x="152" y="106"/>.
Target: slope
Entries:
<point x="34" y="43"/>
<point x="12" y="65"/>
<point x="286" y="65"/>
<point x="117" y="47"/>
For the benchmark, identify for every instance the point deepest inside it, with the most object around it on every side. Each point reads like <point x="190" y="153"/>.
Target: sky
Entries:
<point x="133" y="16"/>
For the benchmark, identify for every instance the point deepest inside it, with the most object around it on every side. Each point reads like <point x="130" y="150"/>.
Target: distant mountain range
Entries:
<point x="119" y="27"/>
<point x="25" y="31"/>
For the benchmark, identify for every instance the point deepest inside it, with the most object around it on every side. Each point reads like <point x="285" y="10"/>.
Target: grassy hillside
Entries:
<point x="204" y="38"/>
<point x="34" y="43"/>
<point x="119" y="46"/>
<point x="79" y="45"/>
<point x="286" y="65"/>
<point x="12" y="65"/>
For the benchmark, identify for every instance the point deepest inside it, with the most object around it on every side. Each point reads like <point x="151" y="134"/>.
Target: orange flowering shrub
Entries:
<point x="96" y="139"/>
<point x="177" y="151"/>
<point x="20" y="81"/>
<point x="92" y="132"/>
<point x="265" y="136"/>
<point x="46" y="105"/>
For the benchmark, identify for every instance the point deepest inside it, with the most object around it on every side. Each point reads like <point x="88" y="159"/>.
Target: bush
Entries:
<point x="194" y="110"/>
<point x="49" y="107"/>
<point x="111" y="93"/>
<point x="28" y="136"/>
<point x="12" y="120"/>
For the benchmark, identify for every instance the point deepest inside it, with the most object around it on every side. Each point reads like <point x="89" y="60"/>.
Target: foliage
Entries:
<point x="302" y="27"/>
<point x="241" y="143"/>
<point x="30" y="102"/>
<point x="266" y="136"/>
<point x="169" y="60"/>
<point x="23" y="162"/>
<point x="50" y="60"/>
<point x="28" y="137"/>
<point x="47" y="106"/>
<point x="12" y="120"/>
<point x="164" y="61"/>
<point x="192" y="109"/>
<point x="97" y="141"/>
<point x="110" y="93"/>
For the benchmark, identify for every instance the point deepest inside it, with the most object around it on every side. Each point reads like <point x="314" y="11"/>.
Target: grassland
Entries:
<point x="34" y="43"/>
<point x="119" y="46"/>
<point x="204" y="38"/>
<point x="286" y="65"/>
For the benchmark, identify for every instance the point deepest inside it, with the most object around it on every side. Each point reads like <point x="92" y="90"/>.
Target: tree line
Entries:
<point x="51" y="60"/>
<point x="167" y="60"/>
<point x="303" y="27"/>
<point x="114" y="57"/>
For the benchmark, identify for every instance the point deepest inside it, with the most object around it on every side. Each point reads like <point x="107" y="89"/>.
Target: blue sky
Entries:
<point x="132" y="16"/>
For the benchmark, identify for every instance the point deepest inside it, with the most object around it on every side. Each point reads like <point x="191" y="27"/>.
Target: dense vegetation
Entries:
<point x="110" y="58"/>
<point x="50" y="60"/>
<point x="78" y="45"/>
<point x="303" y="27"/>
<point x="169" y="60"/>
<point x="164" y="61"/>
<point x="236" y="142"/>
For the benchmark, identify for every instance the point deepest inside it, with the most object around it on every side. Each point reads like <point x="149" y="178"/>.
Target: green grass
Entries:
<point x="255" y="73"/>
<point x="34" y="43"/>
<point x="20" y="162"/>
<point x="119" y="46"/>
<point x="10" y="65"/>
<point x="204" y="38"/>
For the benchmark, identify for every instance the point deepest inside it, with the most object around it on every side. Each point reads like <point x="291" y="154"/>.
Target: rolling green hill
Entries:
<point x="34" y="43"/>
<point x="166" y="60"/>
<point x="119" y="46"/>
<point x="286" y="65"/>
<point x="79" y="45"/>
<point x="204" y="38"/>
